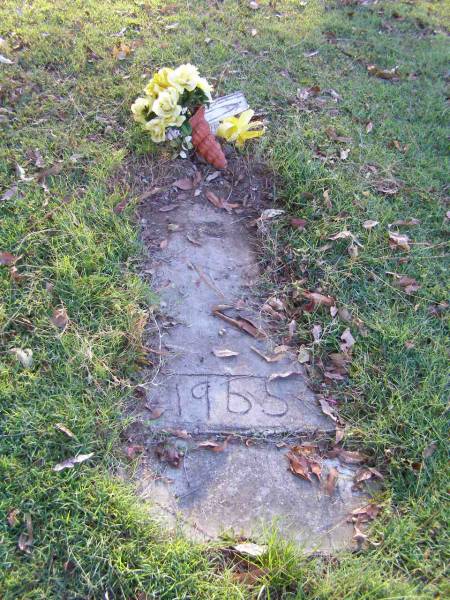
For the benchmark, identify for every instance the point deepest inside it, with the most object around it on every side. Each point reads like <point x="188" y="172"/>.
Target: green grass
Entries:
<point x="66" y="95"/>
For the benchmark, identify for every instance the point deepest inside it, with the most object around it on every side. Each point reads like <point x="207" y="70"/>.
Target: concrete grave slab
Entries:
<point x="196" y="388"/>
<point x="246" y="490"/>
<point x="205" y="267"/>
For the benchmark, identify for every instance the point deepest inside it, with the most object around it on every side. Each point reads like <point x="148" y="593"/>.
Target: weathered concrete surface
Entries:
<point x="196" y="389"/>
<point x="245" y="490"/>
<point x="201" y="257"/>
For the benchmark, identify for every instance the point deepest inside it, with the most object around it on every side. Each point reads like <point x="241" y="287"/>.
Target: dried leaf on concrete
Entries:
<point x="241" y="323"/>
<point x="332" y="478"/>
<point x="214" y="445"/>
<point x="366" y="473"/>
<point x="298" y="465"/>
<point x="282" y="375"/>
<point x="266" y="357"/>
<point x="154" y="411"/>
<point x="169" y="454"/>
<point x="224" y="353"/>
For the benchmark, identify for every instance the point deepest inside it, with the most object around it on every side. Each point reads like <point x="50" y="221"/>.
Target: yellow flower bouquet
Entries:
<point x="170" y="98"/>
<point x="173" y="105"/>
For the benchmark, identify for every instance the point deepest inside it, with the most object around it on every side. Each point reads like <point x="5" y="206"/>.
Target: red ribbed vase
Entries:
<point x="204" y="142"/>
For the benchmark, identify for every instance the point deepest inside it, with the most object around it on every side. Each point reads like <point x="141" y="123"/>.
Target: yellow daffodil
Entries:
<point x="238" y="129"/>
<point x="166" y="104"/>
<point x="157" y="129"/>
<point x="184" y="77"/>
<point x="158" y="83"/>
<point x="140" y="109"/>
<point x="206" y="87"/>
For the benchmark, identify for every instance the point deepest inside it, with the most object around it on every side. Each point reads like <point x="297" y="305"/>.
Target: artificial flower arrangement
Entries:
<point x="174" y="105"/>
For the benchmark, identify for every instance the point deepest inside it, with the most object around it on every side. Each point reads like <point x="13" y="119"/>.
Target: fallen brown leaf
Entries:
<point x="8" y="259"/>
<point x="303" y="355"/>
<point x="25" y="540"/>
<point x="219" y="202"/>
<point x="119" y="208"/>
<point x="397" y="240"/>
<point x="241" y="323"/>
<point x="61" y="427"/>
<point x="408" y="284"/>
<point x="71" y="462"/>
<point x="214" y="446"/>
<point x="429" y="450"/>
<point x="406" y="222"/>
<point x="390" y="74"/>
<point x="10" y="193"/>
<point x="60" y="318"/>
<point x="298" y="465"/>
<point x="332" y="478"/>
<point x="347" y="340"/>
<point x="282" y="375"/>
<point x="11" y="517"/>
<point x="193" y="240"/>
<point x="317" y="299"/>
<point x="365" y="513"/>
<point x="154" y="411"/>
<point x="326" y="197"/>
<point x="134" y="450"/>
<point x="370" y="224"/>
<point x="366" y="473"/>
<point x="351" y="457"/>
<point x="327" y="409"/>
<point x="186" y="183"/>
<point x="168" y="207"/>
<point x="179" y="433"/>
<point x="51" y="171"/>
<point x="388" y="186"/>
<point x="225" y="353"/>
<point x="266" y="357"/>
<point x="298" y="223"/>
<point x="121" y="51"/>
<point x="331" y="133"/>
<point x="169" y="454"/>
<point x="316" y="332"/>
<point x="150" y="193"/>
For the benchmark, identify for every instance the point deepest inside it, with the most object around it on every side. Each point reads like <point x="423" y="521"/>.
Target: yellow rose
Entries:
<point x="162" y="77"/>
<point x="158" y="83"/>
<point x="184" y="77"/>
<point x="140" y="109"/>
<point x="166" y="104"/>
<point x="174" y="121"/>
<point x="157" y="130"/>
<point x="206" y="87"/>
